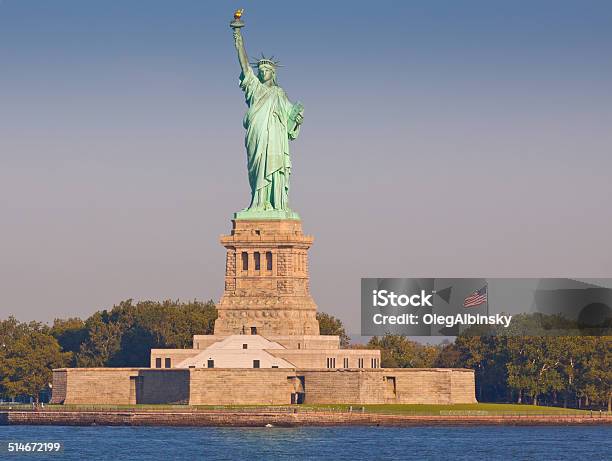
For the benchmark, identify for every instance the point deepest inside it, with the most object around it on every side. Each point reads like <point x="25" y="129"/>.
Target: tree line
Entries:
<point x="120" y="337"/>
<point x="573" y="371"/>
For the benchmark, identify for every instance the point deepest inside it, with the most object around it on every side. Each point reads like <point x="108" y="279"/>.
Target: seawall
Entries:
<point x="228" y="418"/>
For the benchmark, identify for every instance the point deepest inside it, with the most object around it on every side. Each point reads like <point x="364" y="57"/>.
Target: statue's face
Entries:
<point x="266" y="74"/>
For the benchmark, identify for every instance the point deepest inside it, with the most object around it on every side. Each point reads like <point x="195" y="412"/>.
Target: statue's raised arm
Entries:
<point x="236" y="25"/>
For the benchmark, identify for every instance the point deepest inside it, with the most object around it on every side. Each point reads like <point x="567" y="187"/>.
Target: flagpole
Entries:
<point x="488" y="310"/>
<point x="488" y="294"/>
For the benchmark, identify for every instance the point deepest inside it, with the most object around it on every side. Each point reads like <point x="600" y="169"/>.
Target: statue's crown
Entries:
<point x="266" y="61"/>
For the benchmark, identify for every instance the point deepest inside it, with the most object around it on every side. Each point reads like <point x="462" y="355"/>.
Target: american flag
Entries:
<point x="477" y="298"/>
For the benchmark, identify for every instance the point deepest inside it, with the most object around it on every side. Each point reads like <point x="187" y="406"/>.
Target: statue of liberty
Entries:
<point x="270" y="122"/>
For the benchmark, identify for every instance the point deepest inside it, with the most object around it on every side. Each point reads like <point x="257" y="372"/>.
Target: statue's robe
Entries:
<point x="268" y="130"/>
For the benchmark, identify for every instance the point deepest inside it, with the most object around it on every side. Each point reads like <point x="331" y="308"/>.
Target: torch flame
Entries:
<point x="238" y="14"/>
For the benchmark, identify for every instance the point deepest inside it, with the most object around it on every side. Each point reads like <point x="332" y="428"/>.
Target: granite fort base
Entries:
<point x="266" y="348"/>
<point x="231" y="386"/>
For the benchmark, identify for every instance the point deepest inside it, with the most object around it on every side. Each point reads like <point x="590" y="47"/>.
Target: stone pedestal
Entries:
<point x="266" y="280"/>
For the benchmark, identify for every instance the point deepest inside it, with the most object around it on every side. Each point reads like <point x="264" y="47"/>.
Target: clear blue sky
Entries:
<point x="441" y="138"/>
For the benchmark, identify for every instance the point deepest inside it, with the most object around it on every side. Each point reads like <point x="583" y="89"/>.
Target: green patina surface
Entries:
<point x="271" y="122"/>
<point x="262" y="214"/>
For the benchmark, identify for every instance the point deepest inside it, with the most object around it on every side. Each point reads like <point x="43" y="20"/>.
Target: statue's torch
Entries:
<point x="237" y="23"/>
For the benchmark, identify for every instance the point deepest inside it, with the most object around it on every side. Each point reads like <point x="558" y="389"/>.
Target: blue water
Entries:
<point x="312" y="443"/>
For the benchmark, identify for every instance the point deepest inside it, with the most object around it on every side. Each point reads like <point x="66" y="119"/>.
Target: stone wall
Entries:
<point x="111" y="386"/>
<point x="60" y="383"/>
<point x="218" y="386"/>
<point x="319" y="358"/>
<point x="260" y="418"/>
<point x="334" y="386"/>
<point x="389" y="385"/>
<point x="463" y="387"/>
<point x="120" y="386"/>
<point x="176" y="356"/>
<point x="162" y="386"/>
<point x="425" y="386"/>
<point x="306" y="341"/>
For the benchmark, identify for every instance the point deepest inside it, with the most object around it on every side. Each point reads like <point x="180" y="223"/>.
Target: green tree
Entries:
<point x="70" y="333"/>
<point x="103" y="341"/>
<point x="449" y="357"/>
<point x="28" y="353"/>
<point x="534" y="365"/>
<point x="399" y="352"/>
<point x="125" y="335"/>
<point x="330" y="325"/>
<point x="487" y="356"/>
<point x="594" y="379"/>
<point x="10" y="332"/>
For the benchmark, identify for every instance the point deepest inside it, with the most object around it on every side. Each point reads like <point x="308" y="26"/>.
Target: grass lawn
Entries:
<point x="459" y="409"/>
<point x="467" y="408"/>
